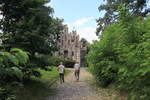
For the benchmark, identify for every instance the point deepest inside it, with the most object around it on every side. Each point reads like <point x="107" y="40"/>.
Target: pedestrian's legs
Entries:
<point x="78" y="75"/>
<point x="75" y="73"/>
<point x="60" y="75"/>
<point x="63" y="80"/>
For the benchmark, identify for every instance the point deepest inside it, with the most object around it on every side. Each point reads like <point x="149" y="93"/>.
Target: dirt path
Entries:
<point x="72" y="90"/>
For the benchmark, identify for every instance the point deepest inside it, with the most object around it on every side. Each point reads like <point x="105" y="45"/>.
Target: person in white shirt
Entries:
<point x="61" y="69"/>
<point x="77" y="70"/>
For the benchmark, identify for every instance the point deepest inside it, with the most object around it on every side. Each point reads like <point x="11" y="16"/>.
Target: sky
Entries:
<point x="80" y="15"/>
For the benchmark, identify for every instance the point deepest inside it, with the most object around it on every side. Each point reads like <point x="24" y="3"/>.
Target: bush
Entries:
<point x="122" y="55"/>
<point x="47" y="60"/>
<point x="12" y="64"/>
<point x="55" y="61"/>
<point x="6" y="94"/>
<point x="69" y="63"/>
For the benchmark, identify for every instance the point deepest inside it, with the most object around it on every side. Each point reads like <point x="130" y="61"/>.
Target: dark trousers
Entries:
<point x="77" y="72"/>
<point x="61" y="75"/>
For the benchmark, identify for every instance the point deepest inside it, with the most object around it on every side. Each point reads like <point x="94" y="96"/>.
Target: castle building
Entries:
<point x="70" y="46"/>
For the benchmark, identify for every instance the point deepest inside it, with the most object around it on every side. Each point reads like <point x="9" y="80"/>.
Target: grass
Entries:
<point x="38" y="88"/>
<point x="48" y="76"/>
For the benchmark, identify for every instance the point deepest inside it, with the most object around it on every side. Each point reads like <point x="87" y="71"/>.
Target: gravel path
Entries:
<point x="72" y="90"/>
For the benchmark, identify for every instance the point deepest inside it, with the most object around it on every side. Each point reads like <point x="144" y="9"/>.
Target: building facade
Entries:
<point x="70" y="47"/>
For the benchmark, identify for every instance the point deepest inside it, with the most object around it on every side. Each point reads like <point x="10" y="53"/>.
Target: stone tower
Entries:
<point x="69" y="45"/>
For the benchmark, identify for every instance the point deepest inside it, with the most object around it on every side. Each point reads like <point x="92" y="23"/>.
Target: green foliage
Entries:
<point x="12" y="64"/>
<point x="48" y="60"/>
<point x="122" y="56"/>
<point x="39" y="88"/>
<point x="69" y="63"/>
<point x="6" y="94"/>
<point x="55" y="61"/>
<point x="21" y="55"/>
<point x="29" y="25"/>
<point x="84" y="42"/>
<point x="110" y="8"/>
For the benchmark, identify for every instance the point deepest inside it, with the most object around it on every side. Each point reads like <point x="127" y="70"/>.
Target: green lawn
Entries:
<point x="48" y="76"/>
<point x="39" y="88"/>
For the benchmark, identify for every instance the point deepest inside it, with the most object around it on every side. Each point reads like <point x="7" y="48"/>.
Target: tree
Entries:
<point x="29" y="24"/>
<point x="138" y="8"/>
<point x="122" y="55"/>
<point x="84" y="42"/>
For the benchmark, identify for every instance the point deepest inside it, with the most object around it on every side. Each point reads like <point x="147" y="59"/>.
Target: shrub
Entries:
<point x="122" y="55"/>
<point x="12" y="64"/>
<point x="55" y="61"/>
<point x="69" y="63"/>
<point x="6" y="94"/>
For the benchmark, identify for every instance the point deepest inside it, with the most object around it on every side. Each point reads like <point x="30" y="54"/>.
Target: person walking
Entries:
<point x="77" y="70"/>
<point x="61" y="69"/>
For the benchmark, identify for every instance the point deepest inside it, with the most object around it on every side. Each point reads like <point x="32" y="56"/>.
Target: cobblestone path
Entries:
<point x="72" y="90"/>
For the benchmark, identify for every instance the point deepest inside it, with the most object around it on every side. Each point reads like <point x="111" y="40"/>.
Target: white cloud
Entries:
<point x="83" y="30"/>
<point x="82" y="21"/>
<point x="88" y="33"/>
<point x="79" y="22"/>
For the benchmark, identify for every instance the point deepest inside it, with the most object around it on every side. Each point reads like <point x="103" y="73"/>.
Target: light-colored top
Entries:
<point x="61" y="69"/>
<point x="77" y="67"/>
